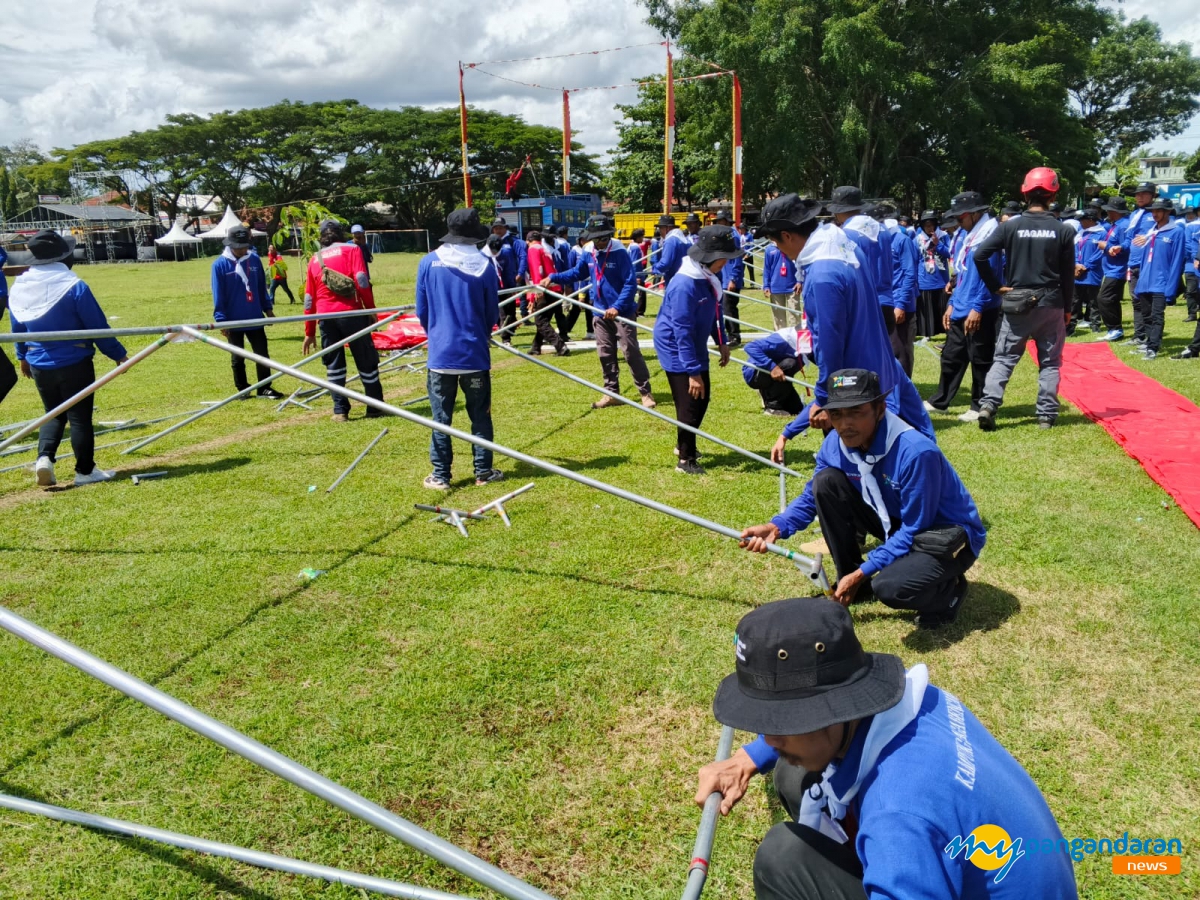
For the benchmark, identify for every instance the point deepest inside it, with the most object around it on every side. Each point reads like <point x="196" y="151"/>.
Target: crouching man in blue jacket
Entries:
<point x="876" y="474"/>
<point x="895" y="789"/>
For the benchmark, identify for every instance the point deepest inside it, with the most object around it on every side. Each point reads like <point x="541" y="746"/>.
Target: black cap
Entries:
<point x="562" y="231"/>
<point x="930" y="215"/>
<point x="599" y="227"/>
<point x="852" y="387"/>
<point x="1116" y="204"/>
<point x="1089" y="212"/>
<point x="238" y="237"/>
<point x="801" y="668"/>
<point x="968" y="202"/>
<point x="693" y="219"/>
<point x="1147" y="187"/>
<point x="786" y="213"/>
<point x="1054" y="208"/>
<point x="495" y="242"/>
<point x="49" y="247"/>
<point x="463" y="227"/>
<point x="723" y="215"/>
<point x="666" y="221"/>
<point x="499" y="222"/>
<point x="1013" y="207"/>
<point x="715" y="242"/>
<point x="845" y="199"/>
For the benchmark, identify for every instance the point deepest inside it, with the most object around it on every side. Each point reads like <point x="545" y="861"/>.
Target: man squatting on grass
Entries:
<point x="458" y="303"/>
<point x="876" y="474"/>
<point x="885" y="776"/>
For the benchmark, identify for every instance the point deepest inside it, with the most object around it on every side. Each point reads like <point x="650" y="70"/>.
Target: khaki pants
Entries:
<point x="792" y="316"/>
<point x="610" y="335"/>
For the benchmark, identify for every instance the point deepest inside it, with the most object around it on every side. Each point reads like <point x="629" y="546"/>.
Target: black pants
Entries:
<point x="1084" y="307"/>
<point x="1108" y="302"/>
<point x="931" y="309"/>
<point x="795" y="862"/>
<point x="1140" y="312"/>
<point x="508" y="315"/>
<point x="779" y="394"/>
<point x="1191" y="288"/>
<point x="366" y="357"/>
<point x="963" y="350"/>
<point x="688" y="410"/>
<point x="545" y="333"/>
<point x="258" y="343"/>
<point x="1194" y="346"/>
<point x="641" y="280"/>
<point x="733" y="330"/>
<point x="565" y="319"/>
<point x="281" y="284"/>
<point x="901" y="336"/>
<point x="916" y="581"/>
<point x="55" y="386"/>
<point x="8" y="375"/>
<point x="1155" y="311"/>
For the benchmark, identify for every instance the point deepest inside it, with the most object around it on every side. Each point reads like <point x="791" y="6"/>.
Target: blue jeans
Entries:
<point x="477" y="394"/>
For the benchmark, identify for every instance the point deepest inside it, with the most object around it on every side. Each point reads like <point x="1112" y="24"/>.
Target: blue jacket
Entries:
<point x="1089" y="255"/>
<point x="231" y="302"/>
<point x="766" y="353"/>
<point x="674" y="248"/>
<point x="637" y="257"/>
<point x="935" y="256"/>
<point x="735" y="273"/>
<point x="905" y="259"/>
<point x="848" y="333"/>
<point x="941" y="777"/>
<point x="1140" y="223"/>
<point x="52" y="298"/>
<point x="1163" y="263"/>
<point x="1114" y="236"/>
<point x="614" y="281"/>
<point x="458" y="305"/>
<point x="687" y="319"/>
<point x="878" y="254"/>
<point x="520" y="250"/>
<point x="1191" y="246"/>
<point x="779" y="272"/>
<point x="920" y="489"/>
<point x="3" y="280"/>
<point x="970" y="290"/>
<point x="507" y="259"/>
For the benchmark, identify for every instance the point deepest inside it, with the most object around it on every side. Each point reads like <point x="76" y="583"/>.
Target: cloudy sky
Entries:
<point x="88" y="69"/>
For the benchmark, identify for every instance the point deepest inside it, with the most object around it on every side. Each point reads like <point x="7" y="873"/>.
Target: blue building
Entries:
<point x="549" y="211"/>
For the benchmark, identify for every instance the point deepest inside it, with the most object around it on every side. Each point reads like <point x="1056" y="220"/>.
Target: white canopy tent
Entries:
<point x="177" y="244"/>
<point x="229" y="220"/>
<point x="176" y="236"/>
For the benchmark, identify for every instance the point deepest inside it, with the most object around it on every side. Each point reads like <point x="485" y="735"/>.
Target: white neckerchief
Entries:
<point x="680" y="235"/>
<point x="821" y="811"/>
<point x="891" y="224"/>
<point x="463" y="257"/>
<point x="689" y="268"/>
<point x="864" y="225"/>
<point x="549" y="248"/>
<point x="895" y="426"/>
<point x="36" y="291"/>
<point x="239" y="267"/>
<point x="828" y="242"/>
<point x="985" y="226"/>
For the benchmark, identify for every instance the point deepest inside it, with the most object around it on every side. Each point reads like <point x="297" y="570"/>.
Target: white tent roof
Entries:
<point x="229" y="220"/>
<point x="177" y="236"/>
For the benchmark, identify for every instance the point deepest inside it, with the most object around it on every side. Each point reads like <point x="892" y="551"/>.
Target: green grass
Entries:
<point x="540" y="695"/>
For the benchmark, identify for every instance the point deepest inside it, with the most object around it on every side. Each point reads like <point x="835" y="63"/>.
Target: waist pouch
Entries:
<point x="1021" y="300"/>
<point x="944" y="543"/>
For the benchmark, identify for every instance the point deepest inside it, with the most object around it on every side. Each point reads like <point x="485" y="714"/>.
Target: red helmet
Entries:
<point x="1041" y="179"/>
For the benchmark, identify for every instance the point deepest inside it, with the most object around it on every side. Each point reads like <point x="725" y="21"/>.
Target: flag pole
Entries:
<point x="737" y="149"/>
<point x="669" y="144"/>
<point x="566" y="160"/>
<point x="462" y="121"/>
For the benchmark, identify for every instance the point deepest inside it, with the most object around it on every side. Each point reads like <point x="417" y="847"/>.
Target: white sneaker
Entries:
<point x="43" y="471"/>
<point x="929" y="407"/>
<point x="971" y="415"/>
<point x="95" y="476"/>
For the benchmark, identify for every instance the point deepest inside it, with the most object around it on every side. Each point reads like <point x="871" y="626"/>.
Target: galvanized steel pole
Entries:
<point x="226" y="851"/>
<point x="260" y="754"/>
<point x="698" y="871"/>
<point x="357" y="460"/>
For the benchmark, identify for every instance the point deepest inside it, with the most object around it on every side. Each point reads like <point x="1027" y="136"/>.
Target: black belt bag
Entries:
<point x="944" y="543"/>
<point x="1021" y="300"/>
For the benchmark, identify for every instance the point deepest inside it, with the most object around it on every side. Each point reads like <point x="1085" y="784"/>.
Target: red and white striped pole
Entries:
<point x="669" y="149"/>
<point x="566" y="141"/>
<point x="462" y="121"/>
<point x="737" y="149"/>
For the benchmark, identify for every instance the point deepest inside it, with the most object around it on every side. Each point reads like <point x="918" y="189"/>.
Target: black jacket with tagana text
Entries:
<point x="1039" y="253"/>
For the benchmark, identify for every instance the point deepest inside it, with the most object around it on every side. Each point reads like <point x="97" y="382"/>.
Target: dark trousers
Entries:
<point x="278" y="284"/>
<point x="366" y="357"/>
<point x="688" y="410"/>
<point x="1083" y="309"/>
<point x="508" y="315"/>
<point x="1156" y="310"/>
<point x="916" y="581"/>
<point x="565" y="319"/>
<point x="545" y="332"/>
<point x="56" y="386"/>
<point x="779" y="394"/>
<point x="1191" y="289"/>
<point x="1108" y="302"/>
<point x="733" y="330"/>
<point x="931" y="309"/>
<point x="901" y="336"/>
<point x="641" y="280"/>
<point x="8" y="375"/>
<point x="1194" y="346"/>
<point x="795" y="862"/>
<point x="963" y="350"/>
<point x="477" y="394"/>
<point x="1140" y="312"/>
<point x="258" y="343"/>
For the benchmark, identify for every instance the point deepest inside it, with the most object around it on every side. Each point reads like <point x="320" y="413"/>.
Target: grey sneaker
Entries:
<point x="1150" y="354"/>
<point x="435" y="484"/>
<point x="489" y="477"/>
<point x="1045" y="422"/>
<point x="688" y="468"/>
<point x="43" y="471"/>
<point x="987" y="418"/>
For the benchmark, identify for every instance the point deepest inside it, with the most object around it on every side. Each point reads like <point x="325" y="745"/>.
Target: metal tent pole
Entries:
<point x="226" y="851"/>
<point x="262" y="755"/>
<point x="357" y="460"/>
<point x="811" y="566"/>
<point x="749" y="454"/>
<point x="702" y="850"/>
<point x="498" y="503"/>
<point x="87" y="391"/>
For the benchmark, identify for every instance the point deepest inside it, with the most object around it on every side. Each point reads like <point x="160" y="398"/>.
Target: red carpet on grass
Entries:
<point x="1156" y="426"/>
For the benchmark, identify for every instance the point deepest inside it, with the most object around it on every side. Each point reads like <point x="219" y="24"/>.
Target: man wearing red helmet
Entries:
<point x="1039" y="253"/>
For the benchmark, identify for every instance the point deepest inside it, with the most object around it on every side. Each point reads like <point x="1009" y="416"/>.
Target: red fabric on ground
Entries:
<point x="399" y="334"/>
<point x="1156" y="426"/>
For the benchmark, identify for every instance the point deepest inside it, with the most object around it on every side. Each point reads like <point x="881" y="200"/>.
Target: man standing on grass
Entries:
<point x="338" y="282"/>
<point x="1137" y="233"/>
<point x="1114" y="269"/>
<point x="905" y="258"/>
<point x="1192" y="350"/>
<point x="614" y="294"/>
<point x="893" y="786"/>
<point x="673" y="245"/>
<point x="458" y="304"/>
<point x="277" y="269"/>
<point x="358" y="238"/>
<point x="8" y="375"/>
<point x="1162" y="268"/>
<point x="239" y="289"/>
<point x="1191" y="277"/>
<point x="1089" y="261"/>
<point x="733" y="275"/>
<point x="781" y="288"/>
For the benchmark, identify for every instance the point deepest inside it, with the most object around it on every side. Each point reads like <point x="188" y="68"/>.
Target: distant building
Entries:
<point x="1162" y="170"/>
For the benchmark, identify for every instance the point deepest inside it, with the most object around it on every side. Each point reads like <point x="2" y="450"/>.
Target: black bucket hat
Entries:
<point x="852" y="387"/>
<point x="968" y="202"/>
<point x="930" y="215"/>
<point x="715" y="242"/>
<point x="238" y="237"/>
<point x="723" y="215"/>
<point x="800" y="668"/>
<point x="463" y="227"/>
<point x="846" y="198"/>
<point x="598" y="227"/>
<point x="1162" y="203"/>
<point x="693" y="219"/>
<point x="665" y="221"/>
<point x="786" y="213"/>
<point x="1116" y="203"/>
<point x="49" y="247"/>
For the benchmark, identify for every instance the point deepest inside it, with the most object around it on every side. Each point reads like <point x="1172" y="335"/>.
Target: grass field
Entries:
<point x="541" y="695"/>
